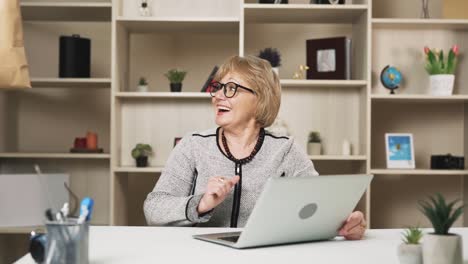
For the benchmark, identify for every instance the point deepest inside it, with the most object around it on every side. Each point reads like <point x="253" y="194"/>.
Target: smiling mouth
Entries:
<point x="223" y="109"/>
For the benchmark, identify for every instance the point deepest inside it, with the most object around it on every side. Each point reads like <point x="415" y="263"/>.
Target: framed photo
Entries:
<point x="328" y="58"/>
<point x="400" y="151"/>
<point x="176" y="140"/>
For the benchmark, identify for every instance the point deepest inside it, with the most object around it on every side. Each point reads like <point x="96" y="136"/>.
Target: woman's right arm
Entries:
<point x="171" y="202"/>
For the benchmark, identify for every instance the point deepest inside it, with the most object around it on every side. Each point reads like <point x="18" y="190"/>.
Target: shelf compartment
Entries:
<point x="418" y="98"/>
<point x="182" y="95"/>
<point x="417" y="172"/>
<point x="21" y="229"/>
<point x="71" y="82"/>
<point x="180" y="25"/>
<point x="411" y="23"/>
<point x="338" y="157"/>
<point x="323" y="83"/>
<point x="66" y="11"/>
<point x="19" y="155"/>
<point x="139" y="170"/>
<point x="303" y="13"/>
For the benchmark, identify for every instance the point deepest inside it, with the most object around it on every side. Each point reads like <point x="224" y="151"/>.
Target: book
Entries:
<point x="329" y="58"/>
<point x="209" y="80"/>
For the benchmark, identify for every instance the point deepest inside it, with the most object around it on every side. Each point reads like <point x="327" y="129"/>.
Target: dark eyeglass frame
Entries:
<point x="224" y="85"/>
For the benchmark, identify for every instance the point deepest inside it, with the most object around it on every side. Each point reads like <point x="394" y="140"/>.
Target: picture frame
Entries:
<point x="328" y="58"/>
<point x="399" y="151"/>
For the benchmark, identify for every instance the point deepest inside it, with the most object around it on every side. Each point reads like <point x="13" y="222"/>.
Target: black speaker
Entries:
<point x="74" y="57"/>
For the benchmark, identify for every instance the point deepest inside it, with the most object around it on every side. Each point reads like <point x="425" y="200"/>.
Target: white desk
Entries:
<point x="176" y="245"/>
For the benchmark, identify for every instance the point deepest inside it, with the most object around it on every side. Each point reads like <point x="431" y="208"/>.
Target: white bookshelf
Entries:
<point x="19" y="155"/>
<point x="71" y="82"/>
<point x="66" y="10"/>
<point x="323" y="83"/>
<point x="170" y="95"/>
<point x="302" y="13"/>
<point x="338" y="157"/>
<point x="418" y="172"/>
<point x="417" y="23"/>
<point x="418" y="98"/>
<point x="128" y="169"/>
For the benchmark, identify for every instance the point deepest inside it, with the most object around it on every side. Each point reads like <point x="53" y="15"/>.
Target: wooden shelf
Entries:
<point x="21" y="229"/>
<point x="19" y="155"/>
<point x="417" y="172"/>
<point x="416" y="23"/>
<point x="303" y="13"/>
<point x="338" y="157"/>
<point x="139" y="170"/>
<point x="323" y="83"/>
<point x="418" y="98"/>
<point x="181" y="95"/>
<point x="66" y="11"/>
<point x="180" y="25"/>
<point x="71" y="82"/>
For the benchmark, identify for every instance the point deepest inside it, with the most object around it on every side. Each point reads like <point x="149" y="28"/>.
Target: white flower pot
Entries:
<point x="439" y="249"/>
<point x="410" y="254"/>
<point x="442" y="84"/>
<point x="314" y="148"/>
<point x="142" y="88"/>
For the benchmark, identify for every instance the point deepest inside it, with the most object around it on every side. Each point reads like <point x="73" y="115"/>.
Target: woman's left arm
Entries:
<point x="300" y="165"/>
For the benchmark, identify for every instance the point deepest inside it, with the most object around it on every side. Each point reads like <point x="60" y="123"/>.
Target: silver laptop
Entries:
<point x="292" y="210"/>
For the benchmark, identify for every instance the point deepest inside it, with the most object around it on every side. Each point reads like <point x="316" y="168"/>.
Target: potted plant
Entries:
<point x="441" y="70"/>
<point x="410" y="251"/>
<point x="175" y="78"/>
<point x="273" y="56"/>
<point x="314" y="145"/>
<point x="441" y="246"/>
<point x="142" y="85"/>
<point x="140" y="153"/>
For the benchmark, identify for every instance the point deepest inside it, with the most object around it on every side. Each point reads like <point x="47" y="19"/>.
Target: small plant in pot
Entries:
<point x="314" y="145"/>
<point x="410" y="251"/>
<point x="441" y="70"/>
<point x="441" y="246"/>
<point x="142" y="85"/>
<point x="273" y="56"/>
<point x="140" y="153"/>
<point x="175" y="78"/>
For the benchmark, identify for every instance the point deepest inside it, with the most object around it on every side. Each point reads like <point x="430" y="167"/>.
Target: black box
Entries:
<point x="447" y="162"/>
<point x="74" y="57"/>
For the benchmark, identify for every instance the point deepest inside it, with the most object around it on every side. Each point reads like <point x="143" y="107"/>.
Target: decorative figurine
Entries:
<point x="145" y="8"/>
<point x="391" y="78"/>
<point x="301" y="73"/>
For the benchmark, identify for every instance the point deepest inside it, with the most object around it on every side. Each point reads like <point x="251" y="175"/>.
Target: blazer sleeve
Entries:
<point x="171" y="201"/>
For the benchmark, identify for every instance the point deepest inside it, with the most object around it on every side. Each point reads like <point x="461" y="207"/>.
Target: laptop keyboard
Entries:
<point x="230" y="238"/>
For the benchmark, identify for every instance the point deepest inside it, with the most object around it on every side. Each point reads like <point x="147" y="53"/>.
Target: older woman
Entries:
<point x="214" y="178"/>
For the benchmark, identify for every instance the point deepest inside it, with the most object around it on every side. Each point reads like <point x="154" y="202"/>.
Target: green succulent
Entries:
<point x="141" y="150"/>
<point x="175" y="75"/>
<point x="440" y="214"/>
<point x="314" y="137"/>
<point x="412" y="235"/>
<point x="143" y="81"/>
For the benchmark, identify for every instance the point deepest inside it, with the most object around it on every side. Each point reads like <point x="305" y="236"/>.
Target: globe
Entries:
<point x="391" y="78"/>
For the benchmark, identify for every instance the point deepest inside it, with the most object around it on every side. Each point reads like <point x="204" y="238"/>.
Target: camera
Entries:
<point x="447" y="162"/>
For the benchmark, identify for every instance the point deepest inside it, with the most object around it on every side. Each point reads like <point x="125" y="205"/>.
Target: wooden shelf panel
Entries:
<point x="21" y="229"/>
<point x="180" y="25"/>
<point x="71" y="82"/>
<point x="417" y="172"/>
<point x="139" y="170"/>
<point x="429" y="24"/>
<point x="303" y="13"/>
<point x="338" y="157"/>
<point x="17" y="155"/>
<point x="180" y="95"/>
<point x="323" y="83"/>
<point x="418" y="98"/>
<point x="66" y="11"/>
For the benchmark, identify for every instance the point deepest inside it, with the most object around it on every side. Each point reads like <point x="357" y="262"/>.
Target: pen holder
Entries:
<point x="67" y="242"/>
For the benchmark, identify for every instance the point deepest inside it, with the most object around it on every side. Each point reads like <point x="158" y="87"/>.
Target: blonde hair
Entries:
<point x="260" y="77"/>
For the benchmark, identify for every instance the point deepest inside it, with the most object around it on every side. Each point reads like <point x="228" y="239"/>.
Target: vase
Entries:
<point x="438" y="249"/>
<point x="442" y="84"/>
<point x="176" y="87"/>
<point x="276" y="70"/>
<point x="142" y="88"/>
<point x="346" y="148"/>
<point x="142" y="161"/>
<point x="410" y="254"/>
<point x="314" y="148"/>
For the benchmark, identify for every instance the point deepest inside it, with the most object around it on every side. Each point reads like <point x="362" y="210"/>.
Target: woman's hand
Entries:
<point x="216" y="191"/>
<point x="354" y="227"/>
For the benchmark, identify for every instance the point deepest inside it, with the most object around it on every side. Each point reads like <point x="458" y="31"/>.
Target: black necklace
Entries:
<point x="245" y="160"/>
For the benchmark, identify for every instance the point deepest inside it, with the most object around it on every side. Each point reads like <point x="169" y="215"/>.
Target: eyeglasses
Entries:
<point x="229" y="88"/>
